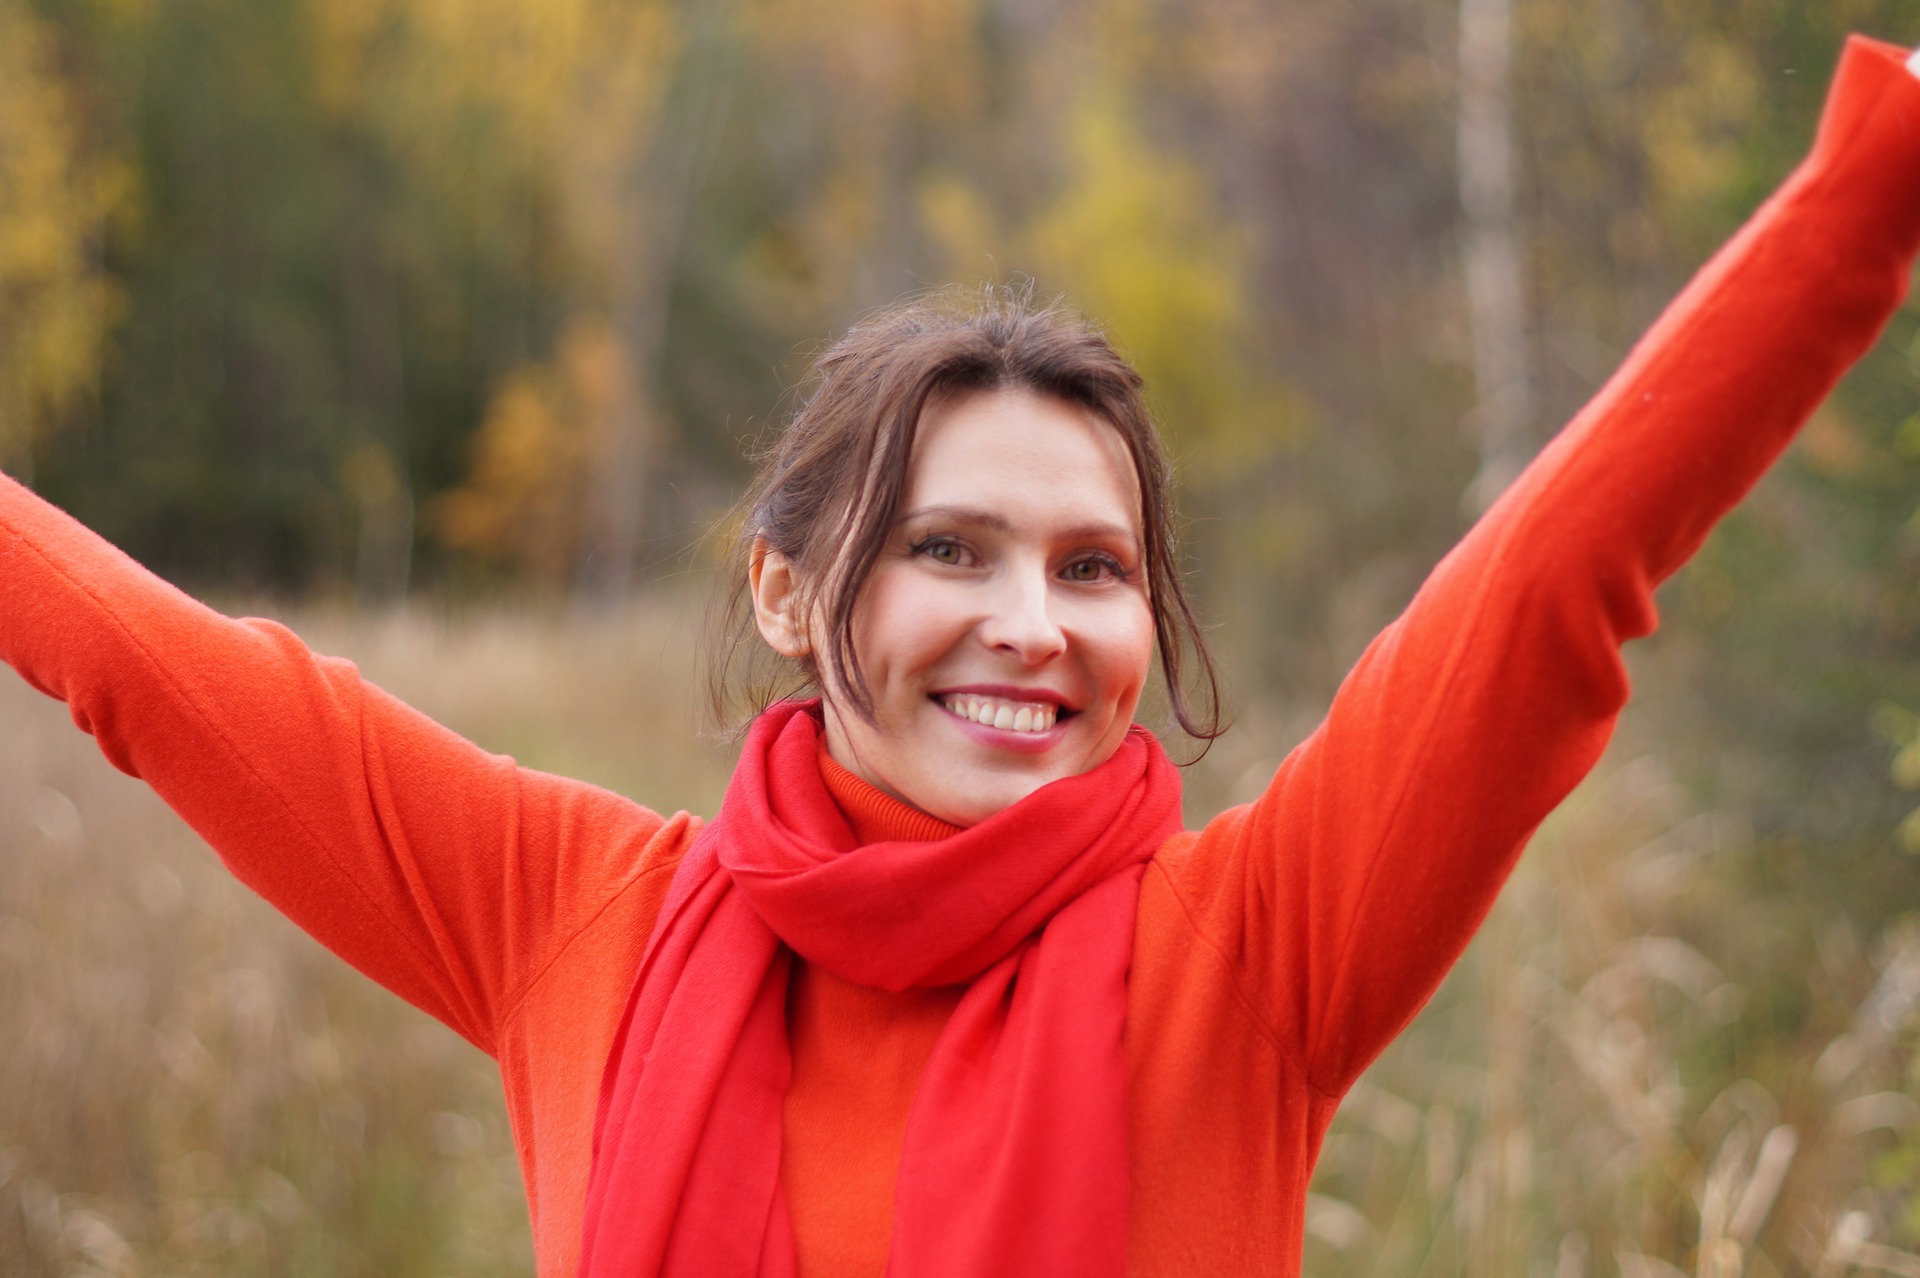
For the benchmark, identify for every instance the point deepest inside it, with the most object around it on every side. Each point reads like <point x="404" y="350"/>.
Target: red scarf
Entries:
<point x="1016" y="1152"/>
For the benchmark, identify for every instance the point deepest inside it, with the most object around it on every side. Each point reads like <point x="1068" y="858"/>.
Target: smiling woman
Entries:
<point x="991" y="627"/>
<point x="944" y="988"/>
<point x="829" y="504"/>
<point x="1006" y="621"/>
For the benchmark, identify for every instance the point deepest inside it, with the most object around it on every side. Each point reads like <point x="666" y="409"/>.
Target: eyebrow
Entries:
<point x="1099" y="530"/>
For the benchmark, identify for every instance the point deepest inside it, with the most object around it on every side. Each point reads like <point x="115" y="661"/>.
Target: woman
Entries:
<point x="943" y="988"/>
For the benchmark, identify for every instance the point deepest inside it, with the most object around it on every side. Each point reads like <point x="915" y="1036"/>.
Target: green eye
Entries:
<point x="942" y="550"/>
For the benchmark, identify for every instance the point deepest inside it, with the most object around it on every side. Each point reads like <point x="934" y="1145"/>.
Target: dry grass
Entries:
<point x="1592" y="1094"/>
<point x="189" y="1086"/>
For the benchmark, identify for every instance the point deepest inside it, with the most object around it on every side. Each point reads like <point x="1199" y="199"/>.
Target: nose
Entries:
<point x="1020" y="621"/>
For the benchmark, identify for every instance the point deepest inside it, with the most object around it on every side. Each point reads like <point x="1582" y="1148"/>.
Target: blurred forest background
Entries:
<point x="442" y="327"/>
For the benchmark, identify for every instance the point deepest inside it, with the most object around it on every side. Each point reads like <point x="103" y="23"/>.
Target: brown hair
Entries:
<point x="828" y="492"/>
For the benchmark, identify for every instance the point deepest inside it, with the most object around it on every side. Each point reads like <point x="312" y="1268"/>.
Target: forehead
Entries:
<point x="1015" y="449"/>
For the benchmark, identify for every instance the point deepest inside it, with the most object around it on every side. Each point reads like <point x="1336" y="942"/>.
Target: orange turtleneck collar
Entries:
<point x="875" y="815"/>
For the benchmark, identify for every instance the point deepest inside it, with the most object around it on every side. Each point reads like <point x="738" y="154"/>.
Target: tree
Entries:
<point x="56" y="302"/>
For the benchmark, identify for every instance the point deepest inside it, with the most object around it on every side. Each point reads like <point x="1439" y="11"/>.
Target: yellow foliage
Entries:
<point x="568" y="91"/>
<point x="342" y="35"/>
<point x="622" y="67"/>
<point x="55" y="303"/>
<point x="961" y="223"/>
<point x="524" y="497"/>
<point x="1684" y="101"/>
<point x="1134" y="233"/>
<point x="511" y="59"/>
<point x="1696" y="133"/>
<point x="888" y="76"/>
<point x="1136" y="238"/>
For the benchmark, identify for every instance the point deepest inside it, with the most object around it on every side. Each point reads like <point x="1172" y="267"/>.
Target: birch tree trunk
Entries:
<point x="1496" y="298"/>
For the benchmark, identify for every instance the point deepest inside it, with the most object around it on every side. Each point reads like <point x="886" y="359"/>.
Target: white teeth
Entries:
<point x="1008" y="716"/>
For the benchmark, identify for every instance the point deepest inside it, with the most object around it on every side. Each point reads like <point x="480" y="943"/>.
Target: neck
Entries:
<point x="876" y="816"/>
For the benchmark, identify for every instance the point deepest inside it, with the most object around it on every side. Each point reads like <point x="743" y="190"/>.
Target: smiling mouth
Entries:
<point x="1002" y="713"/>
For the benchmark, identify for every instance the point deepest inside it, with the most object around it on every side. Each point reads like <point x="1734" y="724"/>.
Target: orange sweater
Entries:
<point x="1278" y="949"/>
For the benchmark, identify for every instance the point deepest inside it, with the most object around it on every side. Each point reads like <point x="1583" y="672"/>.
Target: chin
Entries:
<point x="987" y="795"/>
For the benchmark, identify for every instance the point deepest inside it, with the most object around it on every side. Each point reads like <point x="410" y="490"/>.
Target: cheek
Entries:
<point x="900" y="624"/>
<point x="1122" y="650"/>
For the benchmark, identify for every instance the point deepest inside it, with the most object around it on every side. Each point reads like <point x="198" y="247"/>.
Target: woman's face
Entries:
<point x="1005" y="630"/>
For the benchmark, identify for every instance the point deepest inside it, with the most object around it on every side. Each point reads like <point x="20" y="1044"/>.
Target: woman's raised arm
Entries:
<point x="1358" y="877"/>
<point x="447" y="874"/>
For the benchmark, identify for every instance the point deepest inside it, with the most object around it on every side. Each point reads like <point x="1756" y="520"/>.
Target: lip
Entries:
<point x="1007" y="738"/>
<point x="1006" y="692"/>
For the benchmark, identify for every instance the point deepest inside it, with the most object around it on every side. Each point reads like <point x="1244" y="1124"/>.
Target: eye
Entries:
<point x="1090" y="569"/>
<point x="942" y="550"/>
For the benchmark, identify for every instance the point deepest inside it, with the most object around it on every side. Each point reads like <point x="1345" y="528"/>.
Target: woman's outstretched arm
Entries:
<point x="447" y="874"/>
<point x="1358" y="877"/>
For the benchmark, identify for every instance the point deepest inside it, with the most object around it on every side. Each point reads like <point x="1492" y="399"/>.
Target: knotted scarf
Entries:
<point x="1015" y="1159"/>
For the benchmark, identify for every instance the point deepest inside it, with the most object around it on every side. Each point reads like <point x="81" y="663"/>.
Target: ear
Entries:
<point x="776" y="601"/>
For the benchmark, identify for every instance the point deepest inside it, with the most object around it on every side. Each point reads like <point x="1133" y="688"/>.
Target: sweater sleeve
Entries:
<point x="447" y="874"/>
<point x="1345" y="892"/>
